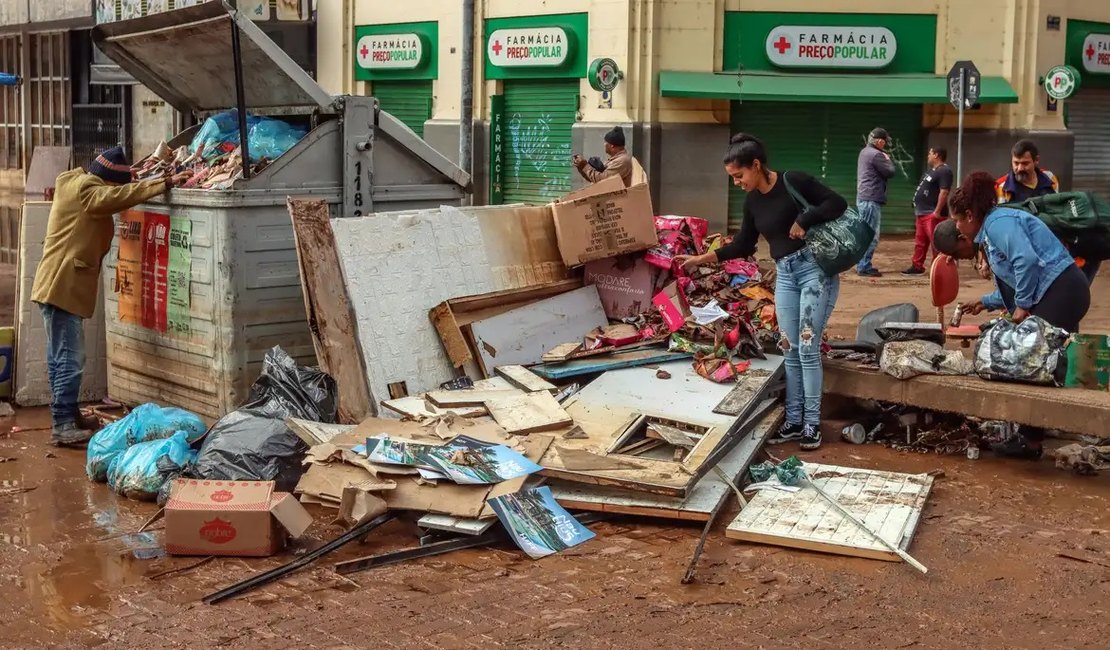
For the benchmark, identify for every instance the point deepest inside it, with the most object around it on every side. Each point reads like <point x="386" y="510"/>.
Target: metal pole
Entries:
<point x="240" y="97"/>
<point x="960" y="130"/>
<point x="466" y="119"/>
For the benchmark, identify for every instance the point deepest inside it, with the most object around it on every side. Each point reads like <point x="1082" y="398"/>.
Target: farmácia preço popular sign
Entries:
<point x="528" y="47"/>
<point x="831" y="47"/>
<point x="389" y="51"/>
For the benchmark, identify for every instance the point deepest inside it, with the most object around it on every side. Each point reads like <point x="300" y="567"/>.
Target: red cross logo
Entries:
<point x="496" y="48"/>
<point x="363" y="52"/>
<point x="782" y="45"/>
<point x="1090" y="52"/>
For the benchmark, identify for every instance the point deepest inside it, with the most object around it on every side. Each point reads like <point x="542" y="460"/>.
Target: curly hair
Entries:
<point x="975" y="195"/>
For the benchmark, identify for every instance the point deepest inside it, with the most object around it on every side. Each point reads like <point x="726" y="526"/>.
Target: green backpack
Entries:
<point x="1067" y="211"/>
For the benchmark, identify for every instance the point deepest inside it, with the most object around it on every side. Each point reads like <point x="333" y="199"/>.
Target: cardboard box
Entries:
<point x="241" y="518"/>
<point x="672" y="304"/>
<point x="604" y="220"/>
<point x="625" y="284"/>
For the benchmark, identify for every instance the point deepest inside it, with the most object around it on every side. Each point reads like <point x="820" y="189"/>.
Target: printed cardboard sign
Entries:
<point x="595" y="224"/>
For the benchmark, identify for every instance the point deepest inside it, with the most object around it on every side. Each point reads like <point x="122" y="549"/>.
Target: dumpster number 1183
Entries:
<point x="358" y="188"/>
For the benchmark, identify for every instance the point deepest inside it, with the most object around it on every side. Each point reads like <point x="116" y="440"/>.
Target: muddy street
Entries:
<point x="1018" y="555"/>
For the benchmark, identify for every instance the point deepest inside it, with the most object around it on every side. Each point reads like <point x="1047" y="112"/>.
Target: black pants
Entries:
<point x="1064" y="304"/>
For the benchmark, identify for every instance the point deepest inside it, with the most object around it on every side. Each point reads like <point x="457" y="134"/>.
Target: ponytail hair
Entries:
<point x="744" y="150"/>
<point x="976" y="195"/>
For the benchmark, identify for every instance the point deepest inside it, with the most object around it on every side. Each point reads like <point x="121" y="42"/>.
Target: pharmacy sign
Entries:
<point x="545" y="47"/>
<point x="1096" y="53"/>
<point x="802" y="46"/>
<point x="389" y="51"/>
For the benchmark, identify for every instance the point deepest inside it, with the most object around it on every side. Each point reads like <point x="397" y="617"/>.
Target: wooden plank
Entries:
<point x="582" y="460"/>
<point x="455" y="524"/>
<point x="561" y="352"/>
<point x="417" y="408"/>
<point x="467" y="397"/>
<point x="317" y="433"/>
<point x="528" y="413"/>
<point x="1075" y="410"/>
<point x="745" y="391"/>
<point x="525" y="379"/>
<point x="520" y="336"/>
<point x="605" y="407"/>
<point x="703" y="498"/>
<point x="670" y="435"/>
<point x="614" y="361"/>
<point x="328" y="307"/>
<point x="889" y="503"/>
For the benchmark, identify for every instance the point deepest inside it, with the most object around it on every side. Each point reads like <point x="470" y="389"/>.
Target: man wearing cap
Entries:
<point x="618" y="164"/>
<point x="78" y="236"/>
<point x="873" y="169"/>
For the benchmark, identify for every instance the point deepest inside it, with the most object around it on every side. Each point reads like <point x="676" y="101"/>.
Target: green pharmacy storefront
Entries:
<point x="812" y="86"/>
<point x="1087" y="112"/>
<point x="401" y="63"/>
<point x="539" y="62"/>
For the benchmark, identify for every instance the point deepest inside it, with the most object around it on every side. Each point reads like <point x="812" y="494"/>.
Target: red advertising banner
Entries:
<point x="156" y="263"/>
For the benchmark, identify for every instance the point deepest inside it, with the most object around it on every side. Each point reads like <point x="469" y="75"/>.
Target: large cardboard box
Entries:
<point x="241" y="518"/>
<point x="604" y="220"/>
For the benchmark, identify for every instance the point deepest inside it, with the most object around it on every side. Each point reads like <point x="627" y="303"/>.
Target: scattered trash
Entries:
<point x="140" y="471"/>
<point x="906" y="359"/>
<point x="1030" y="352"/>
<point x="6" y="410"/>
<point x="147" y="423"/>
<point x="1087" y="460"/>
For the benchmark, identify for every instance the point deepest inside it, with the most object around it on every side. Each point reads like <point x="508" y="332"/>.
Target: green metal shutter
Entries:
<point x="825" y="140"/>
<point x="408" y="101"/>
<point x="846" y="135"/>
<point x="538" y="120"/>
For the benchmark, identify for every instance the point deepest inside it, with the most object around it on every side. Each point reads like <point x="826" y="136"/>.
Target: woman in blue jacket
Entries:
<point x="1033" y="272"/>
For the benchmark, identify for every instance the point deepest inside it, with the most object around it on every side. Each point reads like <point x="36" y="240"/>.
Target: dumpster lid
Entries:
<point x="185" y="57"/>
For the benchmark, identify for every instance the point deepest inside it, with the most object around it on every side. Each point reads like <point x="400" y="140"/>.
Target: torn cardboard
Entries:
<point x="236" y="518"/>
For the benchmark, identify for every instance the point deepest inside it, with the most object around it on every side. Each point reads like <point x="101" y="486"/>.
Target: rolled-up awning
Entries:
<point x="838" y="88"/>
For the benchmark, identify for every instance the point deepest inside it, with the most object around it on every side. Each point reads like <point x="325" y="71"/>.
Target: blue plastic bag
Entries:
<point x="139" y="472"/>
<point x="219" y="129"/>
<point x="144" y="424"/>
<point x="271" y="138"/>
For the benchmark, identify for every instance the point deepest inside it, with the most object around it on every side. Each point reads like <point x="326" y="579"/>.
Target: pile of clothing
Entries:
<point x="215" y="157"/>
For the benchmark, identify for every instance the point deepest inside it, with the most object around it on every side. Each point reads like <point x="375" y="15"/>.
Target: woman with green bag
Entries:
<point x="805" y="294"/>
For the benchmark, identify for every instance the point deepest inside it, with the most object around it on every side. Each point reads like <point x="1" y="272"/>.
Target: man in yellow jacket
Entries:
<point x="78" y="236"/>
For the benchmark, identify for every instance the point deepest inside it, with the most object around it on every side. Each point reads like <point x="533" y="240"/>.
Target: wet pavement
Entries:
<point x="77" y="575"/>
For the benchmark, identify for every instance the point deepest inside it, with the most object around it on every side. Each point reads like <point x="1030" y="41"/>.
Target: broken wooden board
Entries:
<point x="889" y="503"/>
<point x="528" y="413"/>
<point x="451" y="316"/>
<point x="607" y="408"/>
<point x="328" y="306"/>
<point x="671" y="435"/>
<point x="582" y="460"/>
<point x="520" y="336"/>
<point x="561" y="352"/>
<point x="749" y="384"/>
<point x="316" y="433"/>
<point x="468" y="397"/>
<point x="1075" y="410"/>
<point x="703" y="498"/>
<point x="525" y="379"/>
<point x="613" y="361"/>
<point x="455" y="524"/>
<point x="418" y="408"/>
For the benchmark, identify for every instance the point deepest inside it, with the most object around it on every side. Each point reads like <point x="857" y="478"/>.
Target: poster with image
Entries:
<point x="537" y="523"/>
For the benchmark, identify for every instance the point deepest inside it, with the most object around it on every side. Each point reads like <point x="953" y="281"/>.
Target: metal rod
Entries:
<point x="301" y="562"/>
<point x="960" y="129"/>
<point x="466" y="119"/>
<point x="417" y="552"/>
<point x="240" y="97"/>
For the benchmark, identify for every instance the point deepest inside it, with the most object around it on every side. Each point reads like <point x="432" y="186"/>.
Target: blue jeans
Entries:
<point x="65" y="361"/>
<point x="804" y="300"/>
<point x="872" y="213"/>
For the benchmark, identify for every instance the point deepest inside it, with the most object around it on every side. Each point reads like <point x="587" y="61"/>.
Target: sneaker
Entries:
<point x="786" y="433"/>
<point x="913" y="270"/>
<point x="870" y="273"/>
<point x="811" y="437"/>
<point x="69" y="435"/>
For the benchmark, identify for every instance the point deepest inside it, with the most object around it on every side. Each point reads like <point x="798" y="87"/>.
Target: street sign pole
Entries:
<point x="960" y="129"/>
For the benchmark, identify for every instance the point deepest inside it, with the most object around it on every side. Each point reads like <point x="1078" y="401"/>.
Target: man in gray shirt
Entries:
<point x="872" y="171"/>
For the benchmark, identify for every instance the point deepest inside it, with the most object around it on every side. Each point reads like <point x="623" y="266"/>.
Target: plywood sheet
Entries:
<point x="455" y="524"/>
<point x="612" y="361"/>
<point x="468" y="396"/>
<point x="697" y="506"/>
<point x="525" y="379"/>
<point x="417" y="408"/>
<point x="889" y="503"/>
<point x="522" y="335"/>
<point x="606" y="407"/>
<point x="317" y="433"/>
<point x="528" y="413"/>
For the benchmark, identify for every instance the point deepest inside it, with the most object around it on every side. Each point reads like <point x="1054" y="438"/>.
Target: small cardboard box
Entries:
<point x="624" y="283"/>
<point x="604" y="220"/>
<point x="672" y="304"/>
<point x="241" y="518"/>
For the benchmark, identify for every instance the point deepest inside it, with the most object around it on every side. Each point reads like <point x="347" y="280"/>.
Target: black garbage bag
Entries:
<point x="253" y="443"/>
<point x="1031" y="352"/>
